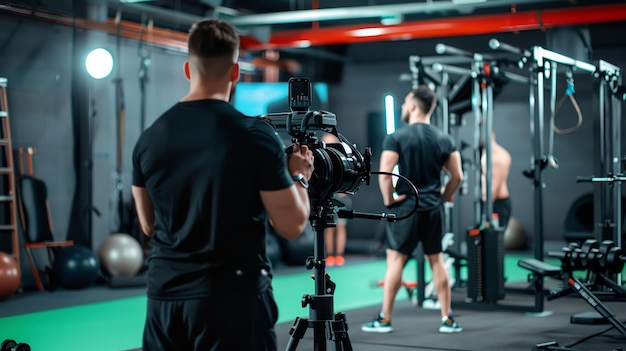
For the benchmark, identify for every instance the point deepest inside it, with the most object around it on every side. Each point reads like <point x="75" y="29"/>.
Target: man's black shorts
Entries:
<point x="424" y="226"/>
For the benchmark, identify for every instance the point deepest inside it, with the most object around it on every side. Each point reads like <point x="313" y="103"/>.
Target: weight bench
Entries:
<point x="539" y="270"/>
<point x="539" y="267"/>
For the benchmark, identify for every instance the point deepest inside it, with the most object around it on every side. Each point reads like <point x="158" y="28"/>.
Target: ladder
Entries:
<point x="7" y="175"/>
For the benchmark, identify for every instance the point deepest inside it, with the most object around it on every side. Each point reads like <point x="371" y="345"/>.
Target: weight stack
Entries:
<point x="485" y="265"/>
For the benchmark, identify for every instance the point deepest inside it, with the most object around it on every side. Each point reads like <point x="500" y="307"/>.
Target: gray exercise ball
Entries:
<point x="121" y="255"/>
<point x="514" y="236"/>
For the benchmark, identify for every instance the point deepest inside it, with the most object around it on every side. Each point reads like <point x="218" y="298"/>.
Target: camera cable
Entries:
<point x="390" y="217"/>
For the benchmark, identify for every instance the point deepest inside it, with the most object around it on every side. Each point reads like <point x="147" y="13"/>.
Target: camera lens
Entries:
<point x="338" y="169"/>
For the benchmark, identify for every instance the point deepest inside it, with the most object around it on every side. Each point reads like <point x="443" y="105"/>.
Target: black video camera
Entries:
<point x="339" y="166"/>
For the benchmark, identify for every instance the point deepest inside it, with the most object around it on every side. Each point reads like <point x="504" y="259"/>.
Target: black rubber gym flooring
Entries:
<point x="487" y="327"/>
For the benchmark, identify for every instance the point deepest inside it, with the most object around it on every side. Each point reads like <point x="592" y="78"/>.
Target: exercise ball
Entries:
<point x="121" y="255"/>
<point x="10" y="277"/>
<point x="75" y="267"/>
<point x="514" y="237"/>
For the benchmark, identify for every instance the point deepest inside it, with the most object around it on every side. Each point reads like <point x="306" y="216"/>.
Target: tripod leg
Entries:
<point x="319" y="335"/>
<point x="297" y="331"/>
<point x="339" y="332"/>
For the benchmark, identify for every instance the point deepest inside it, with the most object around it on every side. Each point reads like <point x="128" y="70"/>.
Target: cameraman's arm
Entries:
<point x="289" y="209"/>
<point x="145" y="210"/>
<point x="454" y="169"/>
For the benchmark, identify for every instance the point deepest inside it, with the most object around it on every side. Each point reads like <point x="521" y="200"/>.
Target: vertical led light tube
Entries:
<point x="390" y="123"/>
<point x="390" y="116"/>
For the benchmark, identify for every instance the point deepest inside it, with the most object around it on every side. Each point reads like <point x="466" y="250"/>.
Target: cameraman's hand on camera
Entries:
<point x="289" y="209"/>
<point x="301" y="161"/>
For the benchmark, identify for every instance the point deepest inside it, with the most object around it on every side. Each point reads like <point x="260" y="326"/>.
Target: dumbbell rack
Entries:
<point x="597" y="305"/>
<point x="600" y="259"/>
<point x="609" y="219"/>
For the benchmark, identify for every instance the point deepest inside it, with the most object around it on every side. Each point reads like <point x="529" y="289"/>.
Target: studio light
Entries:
<point x="99" y="63"/>
<point x="390" y="117"/>
<point x="390" y="124"/>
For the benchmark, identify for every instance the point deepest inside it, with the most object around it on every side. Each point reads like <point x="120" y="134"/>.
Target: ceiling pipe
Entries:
<point x="314" y="15"/>
<point x="359" y="12"/>
<point x="458" y="26"/>
<point x="168" y="39"/>
<point x="155" y="12"/>
<point x="441" y="27"/>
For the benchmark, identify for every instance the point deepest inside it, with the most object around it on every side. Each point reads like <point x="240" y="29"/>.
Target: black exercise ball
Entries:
<point x="75" y="267"/>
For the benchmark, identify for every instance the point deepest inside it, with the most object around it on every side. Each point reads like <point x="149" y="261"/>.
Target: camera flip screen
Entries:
<point x="299" y="94"/>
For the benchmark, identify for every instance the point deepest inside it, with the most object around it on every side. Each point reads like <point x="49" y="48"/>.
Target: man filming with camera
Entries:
<point x="206" y="179"/>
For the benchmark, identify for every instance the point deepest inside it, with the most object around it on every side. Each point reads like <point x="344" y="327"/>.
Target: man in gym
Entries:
<point x="206" y="179"/>
<point x="421" y="152"/>
<point x="500" y="167"/>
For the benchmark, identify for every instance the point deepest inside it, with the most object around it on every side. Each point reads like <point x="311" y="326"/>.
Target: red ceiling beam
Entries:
<point x="442" y="27"/>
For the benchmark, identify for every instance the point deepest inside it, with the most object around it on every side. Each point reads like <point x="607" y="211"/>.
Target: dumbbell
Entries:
<point x="615" y="260"/>
<point x="575" y="257"/>
<point x="587" y="253"/>
<point x="566" y="255"/>
<point x="11" y="345"/>
<point x="605" y="248"/>
<point x="573" y="244"/>
<point x="595" y="260"/>
<point x="610" y="257"/>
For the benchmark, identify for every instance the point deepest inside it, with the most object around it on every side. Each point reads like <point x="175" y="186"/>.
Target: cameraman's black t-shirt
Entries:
<point x="423" y="150"/>
<point x="203" y="164"/>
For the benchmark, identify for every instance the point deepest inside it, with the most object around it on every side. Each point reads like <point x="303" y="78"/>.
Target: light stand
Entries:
<point x="98" y="64"/>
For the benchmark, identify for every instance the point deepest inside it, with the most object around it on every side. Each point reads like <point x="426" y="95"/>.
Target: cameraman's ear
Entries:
<point x="234" y="73"/>
<point x="186" y="70"/>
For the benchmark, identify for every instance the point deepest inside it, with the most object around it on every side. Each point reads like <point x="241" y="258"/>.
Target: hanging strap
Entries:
<point x="569" y="93"/>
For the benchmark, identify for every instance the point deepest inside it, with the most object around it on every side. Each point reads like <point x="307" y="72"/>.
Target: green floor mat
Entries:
<point x="117" y="325"/>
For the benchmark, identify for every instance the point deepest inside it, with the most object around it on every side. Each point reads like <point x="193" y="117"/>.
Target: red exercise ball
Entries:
<point x="9" y="275"/>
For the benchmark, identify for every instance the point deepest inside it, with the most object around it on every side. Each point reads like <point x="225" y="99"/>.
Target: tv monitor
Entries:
<point x="257" y="98"/>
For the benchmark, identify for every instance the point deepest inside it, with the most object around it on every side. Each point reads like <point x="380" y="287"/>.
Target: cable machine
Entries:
<point x="609" y="92"/>
<point x="609" y="164"/>
<point x="485" y="241"/>
<point x="485" y="264"/>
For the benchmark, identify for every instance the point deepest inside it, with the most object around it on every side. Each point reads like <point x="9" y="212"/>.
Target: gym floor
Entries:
<point x="111" y="319"/>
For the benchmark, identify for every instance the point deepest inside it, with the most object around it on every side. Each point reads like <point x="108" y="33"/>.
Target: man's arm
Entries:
<point x="388" y="160"/>
<point x="453" y="167"/>
<point x="289" y="209"/>
<point x="145" y="210"/>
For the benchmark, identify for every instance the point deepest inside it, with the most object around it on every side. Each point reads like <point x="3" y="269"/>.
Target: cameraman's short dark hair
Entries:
<point x="213" y="38"/>
<point x="426" y="98"/>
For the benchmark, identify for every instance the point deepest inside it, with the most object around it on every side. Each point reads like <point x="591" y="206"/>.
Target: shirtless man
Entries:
<point x="500" y="166"/>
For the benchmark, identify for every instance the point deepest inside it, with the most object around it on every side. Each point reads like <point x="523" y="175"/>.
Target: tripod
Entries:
<point x="321" y="315"/>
